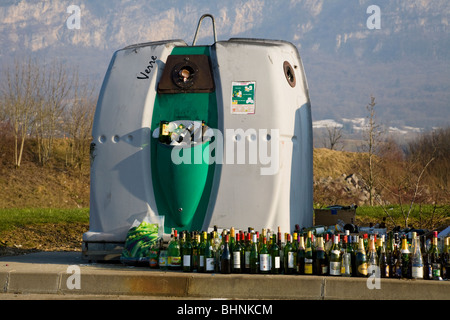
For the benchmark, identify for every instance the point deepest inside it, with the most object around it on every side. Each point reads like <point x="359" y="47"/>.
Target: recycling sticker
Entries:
<point x="243" y="97"/>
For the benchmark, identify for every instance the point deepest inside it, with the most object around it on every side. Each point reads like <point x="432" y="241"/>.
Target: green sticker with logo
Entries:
<point x="243" y="97"/>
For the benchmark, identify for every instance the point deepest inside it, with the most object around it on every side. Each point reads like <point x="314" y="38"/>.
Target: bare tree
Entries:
<point x="20" y="93"/>
<point x="372" y="138"/>
<point x="78" y="120"/>
<point x="333" y="137"/>
<point x="54" y="94"/>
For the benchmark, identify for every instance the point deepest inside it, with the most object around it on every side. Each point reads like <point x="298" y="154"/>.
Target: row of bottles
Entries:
<point x="302" y="253"/>
<point x="174" y="133"/>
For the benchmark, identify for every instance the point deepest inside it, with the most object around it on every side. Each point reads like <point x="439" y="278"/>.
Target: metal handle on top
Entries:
<point x="200" y="23"/>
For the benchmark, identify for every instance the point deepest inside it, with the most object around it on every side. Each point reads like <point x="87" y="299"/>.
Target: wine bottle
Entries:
<point x="275" y="255"/>
<point x="201" y="252"/>
<point x="346" y="260"/>
<point x="264" y="257"/>
<point x="174" y="253"/>
<point x="247" y="252"/>
<point x="445" y="259"/>
<point x="416" y="261"/>
<point x="308" y="263"/>
<point x="225" y="259"/>
<point x="435" y="258"/>
<point x="254" y="257"/>
<point x="186" y="251"/>
<point x="361" y="260"/>
<point x="210" y="254"/>
<point x="289" y="257"/>
<point x="237" y="255"/>
<point x="383" y="263"/>
<point x="406" y="259"/>
<point x="301" y="256"/>
<point x="335" y="257"/>
<point x="321" y="259"/>
<point x="162" y="259"/>
<point x="195" y="251"/>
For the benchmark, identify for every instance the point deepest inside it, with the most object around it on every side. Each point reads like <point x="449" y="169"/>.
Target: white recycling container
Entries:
<point x="252" y="167"/>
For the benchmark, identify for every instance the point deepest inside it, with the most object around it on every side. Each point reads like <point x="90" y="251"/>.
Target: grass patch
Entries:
<point x="13" y="218"/>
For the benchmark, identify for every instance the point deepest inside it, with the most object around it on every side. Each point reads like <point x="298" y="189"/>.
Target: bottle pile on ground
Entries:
<point x="397" y="254"/>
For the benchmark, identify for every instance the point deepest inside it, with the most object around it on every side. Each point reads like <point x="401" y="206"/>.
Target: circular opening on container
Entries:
<point x="237" y="137"/>
<point x="183" y="75"/>
<point x="116" y="139"/>
<point x="102" y="139"/>
<point x="289" y="74"/>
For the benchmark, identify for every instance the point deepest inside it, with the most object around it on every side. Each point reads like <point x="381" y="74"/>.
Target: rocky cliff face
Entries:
<point x="404" y="63"/>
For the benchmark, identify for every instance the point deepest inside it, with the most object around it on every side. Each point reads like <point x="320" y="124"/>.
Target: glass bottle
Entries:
<point x="225" y="258"/>
<point x="247" y="252"/>
<point x="372" y="257"/>
<point x="201" y="252"/>
<point x="264" y="257"/>
<point x="174" y="253"/>
<point x="435" y="258"/>
<point x="406" y="259"/>
<point x="289" y="261"/>
<point x="237" y="255"/>
<point x="254" y="256"/>
<point x="321" y="259"/>
<point x="383" y="263"/>
<point x="416" y="261"/>
<point x="186" y="252"/>
<point x="309" y="261"/>
<point x="445" y="259"/>
<point x="162" y="259"/>
<point x="346" y="260"/>
<point x="275" y="256"/>
<point x="195" y="251"/>
<point x="335" y="257"/>
<point x="361" y="260"/>
<point x="210" y="254"/>
<point x="301" y="256"/>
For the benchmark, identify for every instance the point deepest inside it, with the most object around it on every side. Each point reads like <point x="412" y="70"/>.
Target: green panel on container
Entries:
<point x="186" y="186"/>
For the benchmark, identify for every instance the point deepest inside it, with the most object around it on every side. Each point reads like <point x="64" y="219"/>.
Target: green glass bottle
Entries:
<point x="275" y="265"/>
<point x="210" y="254"/>
<point x="225" y="257"/>
<point x="254" y="256"/>
<point x="186" y="252"/>
<point x="174" y="253"/>
<point x="301" y="255"/>
<point x="264" y="257"/>
<point x="361" y="260"/>
<point x="201" y="251"/>
<point x="383" y="263"/>
<point x="406" y="259"/>
<point x="289" y="257"/>
<point x="247" y="252"/>
<point x="195" y="252"/>
<point x="335" y="257"/>
<point x="321" y="259"/>
<point x="435" y="259"/>
<point x="237" y="255"/>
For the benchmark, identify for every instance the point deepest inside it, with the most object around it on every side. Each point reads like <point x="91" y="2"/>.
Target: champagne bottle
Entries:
<point x="254" y="256"/>
<point x="186" y="251"/>
<point x="264" y="257"/>
<point x="174" y="253"/>
<point x="225" y="259"/>
<point x="275" y="256"/>
<point x="361" y="260"/>
<point x="210" y="254"/>
<point x="372" y="257"/>
<point x="321" y="259"/>
<point x="308" y="263"/>
<point x="335" y="257"/>
<point x="435" y="258"/>
<point x="237" y="255"/>
<point x="391" y="255"/>
<point x="301" y="256"/>
<point x="416" y="261"/>
<point x="405" y="257"/>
